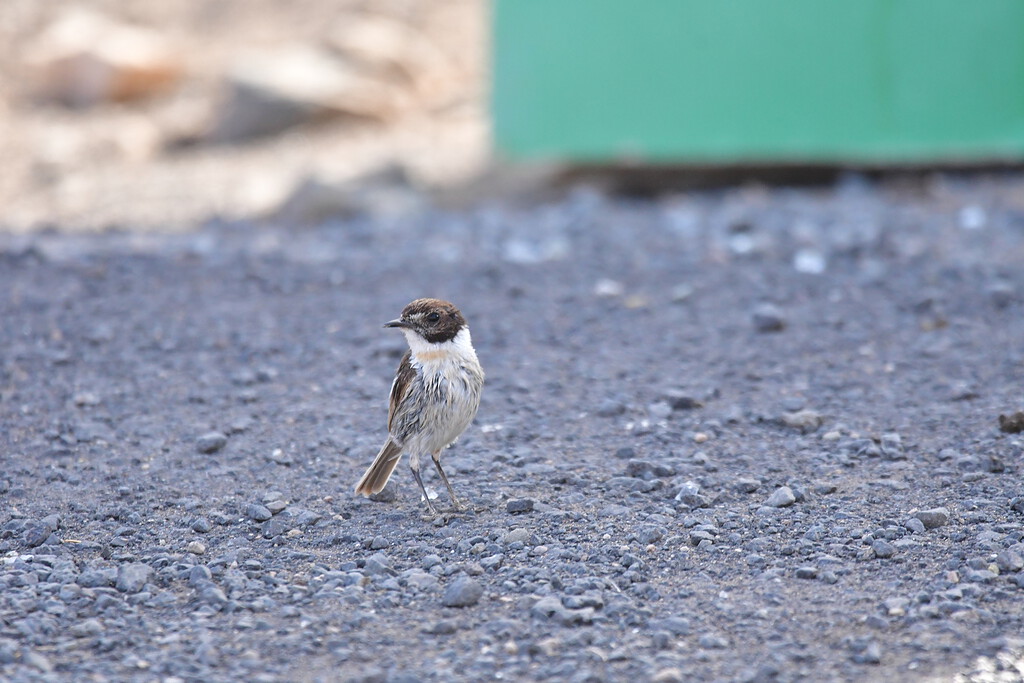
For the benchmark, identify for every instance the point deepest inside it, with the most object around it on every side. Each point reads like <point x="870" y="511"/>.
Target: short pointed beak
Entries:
<point x="398" y="323"/>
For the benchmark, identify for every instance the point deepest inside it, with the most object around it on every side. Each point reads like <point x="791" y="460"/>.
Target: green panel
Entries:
<point x="751" y="80"/>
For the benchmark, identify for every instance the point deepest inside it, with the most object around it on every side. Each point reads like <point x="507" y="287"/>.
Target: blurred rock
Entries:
<point x="398" y="54"/>
<point x="84" y="58"/>
<point x="385" y="191"/>
<point x="271" y="91"/>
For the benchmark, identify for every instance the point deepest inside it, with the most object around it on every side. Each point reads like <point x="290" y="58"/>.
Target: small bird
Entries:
<point x="434" y="397"/>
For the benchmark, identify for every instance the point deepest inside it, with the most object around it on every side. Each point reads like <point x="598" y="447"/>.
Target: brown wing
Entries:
<point x="400" y="387"/>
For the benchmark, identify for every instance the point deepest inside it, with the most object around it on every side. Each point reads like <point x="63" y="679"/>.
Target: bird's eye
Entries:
<point x="434" y="317"/>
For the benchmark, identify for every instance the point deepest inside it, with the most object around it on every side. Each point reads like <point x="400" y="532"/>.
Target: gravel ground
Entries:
<point x="733" y="435"/>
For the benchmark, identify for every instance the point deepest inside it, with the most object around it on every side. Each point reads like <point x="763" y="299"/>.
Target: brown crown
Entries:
<point x="435" y="320"/>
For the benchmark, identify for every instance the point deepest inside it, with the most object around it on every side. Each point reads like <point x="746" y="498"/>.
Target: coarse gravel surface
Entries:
<point x="743" y="435"/>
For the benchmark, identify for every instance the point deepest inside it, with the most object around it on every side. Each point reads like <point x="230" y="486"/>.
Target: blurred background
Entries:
<point x="135" y="113"/>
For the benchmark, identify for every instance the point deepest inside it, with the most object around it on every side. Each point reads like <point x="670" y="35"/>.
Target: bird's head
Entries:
<point x="434" y="320"/>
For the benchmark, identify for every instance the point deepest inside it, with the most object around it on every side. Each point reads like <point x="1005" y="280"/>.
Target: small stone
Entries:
<point x="678" y="399"/>
<point x="805" y="420"/>
<point x="212" y="594"/>
<point x="201" y="525"/>
<point x="625" y="453"/>
<point x="810" y="261"/>
<point x="869" y="653"/>
<point x="1001" y="294"/>
<point x="378" y="564"/>
<point x="276" y="506"/>
<point x="934" y="518"/>
<point x="516" y="536"/>
<point x="782" y="497"/>
<point x="883" y="549"/>
<point x="746" y="485"/>
<point x="518" y="506"/>
<point x="768" y="318"/>
<point x="195" y="548"/>
<point x="1010" y="561"/>
<point x="211" y="442"/>
<point x="709" y="641"/>
<point x="607" y="288"/>
<point x="131" y="578"/>
<point x="97" y="578"/>
<point x="275" y="526"/>
<point x="199" y="573"/>
<point x="388" y="494"/>
<point x="88" y="628"/>
<point x="36" y="533"/>
<point x="914" y="525"/>
<point x="1012" y="423"/>
<point x="444" y="627"/>
<point x="271" y="496"/>
<point x="462" y="592"/>
<point x="807" y="573"/>
<point x="610" y="408"/>
<point x="670" y="675"/>
<point x="257" y="512"/>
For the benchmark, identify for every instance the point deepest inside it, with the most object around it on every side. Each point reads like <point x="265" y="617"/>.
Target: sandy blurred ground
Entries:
<point x="117" y="165"/>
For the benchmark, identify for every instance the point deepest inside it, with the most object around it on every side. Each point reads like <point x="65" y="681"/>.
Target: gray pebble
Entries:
<point x="212" y="594"/>
<point x="914" y="525"/>
<point x="275" y="526"/>
<point x="131" y="578"/>
<point x="276" y="506"/>
<point x="804" y="420"/>
<point x="462" y="592"/>
<point x="257" y="512"/>
<point x="934" y="518"/>
<point x="883" y="549"/>
<point x="271" y="496"/>
<point x="378" y="564"/>
<point x="768" y="318"/>
<point x="709" y="641"/>
<point x="518" y="535"/>
<point x="807" y="572"/>
<point x="388" y="494"/>
<point x="96" y="578"/>
<point x="867" y="653"/>
<point x="979" y="576"/>
<point x="782" y="497"/>
<point x="518" y="506"/>
<point x="745" y="485"/>
<point x="87" y="628"/>
<point x="201" y="525"/>
<point x="198" y="574"/>
<point x="211" y="442"/>
<point x="610" y="408"/>
<point x="36" y="534"/>
<point x="1010" y="561"/>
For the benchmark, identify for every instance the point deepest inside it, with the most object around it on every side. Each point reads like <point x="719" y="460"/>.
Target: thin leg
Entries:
<point x="414" y="465"/>
<point x="451" y="492"/>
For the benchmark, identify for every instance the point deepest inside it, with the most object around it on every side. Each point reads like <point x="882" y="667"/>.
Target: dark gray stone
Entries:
<point x="211" y="442"/>
<point x="933" y="518"/>
<point x="519" y="506"/>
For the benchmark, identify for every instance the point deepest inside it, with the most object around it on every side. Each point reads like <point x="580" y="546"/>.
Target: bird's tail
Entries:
<point x="378" y="473"/>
